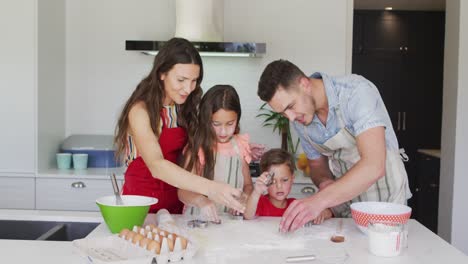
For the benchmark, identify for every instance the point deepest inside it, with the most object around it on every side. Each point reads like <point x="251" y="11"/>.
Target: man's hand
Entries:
<point x="300" y="212"/>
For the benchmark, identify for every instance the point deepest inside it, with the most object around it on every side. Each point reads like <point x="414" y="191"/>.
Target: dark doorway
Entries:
<point x="402" y="53"/>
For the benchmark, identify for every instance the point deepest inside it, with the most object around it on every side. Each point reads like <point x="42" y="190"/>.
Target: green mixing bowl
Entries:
<point x="132" y="212"/>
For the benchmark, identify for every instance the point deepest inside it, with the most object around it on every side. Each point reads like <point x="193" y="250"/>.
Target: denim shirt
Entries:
<point x="361" y="106"/>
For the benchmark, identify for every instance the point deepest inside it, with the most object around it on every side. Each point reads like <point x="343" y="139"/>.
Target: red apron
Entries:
<point x="138" y="178"/>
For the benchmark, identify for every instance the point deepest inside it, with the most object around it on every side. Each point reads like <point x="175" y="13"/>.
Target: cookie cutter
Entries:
<point x="269" y="179"/>
<point x="237" y="216"/>
<point x="197" y="223"/>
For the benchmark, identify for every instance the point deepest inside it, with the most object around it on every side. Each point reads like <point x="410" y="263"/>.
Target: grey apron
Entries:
<point x="343" y="153"/>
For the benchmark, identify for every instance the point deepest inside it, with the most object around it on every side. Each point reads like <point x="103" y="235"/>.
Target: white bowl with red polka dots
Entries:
<point x="362" y="212"/>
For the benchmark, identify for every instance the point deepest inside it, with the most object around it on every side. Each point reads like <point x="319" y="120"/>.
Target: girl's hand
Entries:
<point x="260" y="183"/>
<point x="325" y="214"/>
<point x="208" y="211"/>
<point x="224" y="194"/>
<point x="243" y="200"/>
<point x="256" y="151"/>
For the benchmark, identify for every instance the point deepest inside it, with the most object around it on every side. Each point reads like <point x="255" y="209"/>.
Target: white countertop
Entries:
<point x="244" y="241"/>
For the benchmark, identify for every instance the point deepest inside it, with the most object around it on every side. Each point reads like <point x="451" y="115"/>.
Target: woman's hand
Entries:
<point x="208" y="211"/>
<point x="224" y="194"/>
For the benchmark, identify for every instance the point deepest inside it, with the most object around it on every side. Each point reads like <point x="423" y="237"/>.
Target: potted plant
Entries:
<point x="280" y="123"/>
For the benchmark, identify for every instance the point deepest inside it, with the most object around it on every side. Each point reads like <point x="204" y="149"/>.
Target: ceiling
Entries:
<point x="425" y="5"/>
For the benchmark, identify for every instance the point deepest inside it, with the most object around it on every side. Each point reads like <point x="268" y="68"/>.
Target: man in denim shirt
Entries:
<point x="347" y="135"/>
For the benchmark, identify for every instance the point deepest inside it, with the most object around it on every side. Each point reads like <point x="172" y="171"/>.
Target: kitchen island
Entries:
<point x="240" y="241"/>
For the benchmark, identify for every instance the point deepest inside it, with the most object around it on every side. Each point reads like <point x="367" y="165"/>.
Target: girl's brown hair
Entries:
<point x="151" y="91"/>
<point x="216" y="98"/>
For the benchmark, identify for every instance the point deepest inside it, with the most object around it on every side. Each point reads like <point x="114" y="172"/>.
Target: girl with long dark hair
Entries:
<point x="217" y="151"/>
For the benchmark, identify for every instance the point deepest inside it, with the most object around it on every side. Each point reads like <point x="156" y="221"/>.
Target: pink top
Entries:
<point x="227" y="149"/>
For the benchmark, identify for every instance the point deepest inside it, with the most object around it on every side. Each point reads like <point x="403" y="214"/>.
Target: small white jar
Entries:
<point x="385" y="238"/>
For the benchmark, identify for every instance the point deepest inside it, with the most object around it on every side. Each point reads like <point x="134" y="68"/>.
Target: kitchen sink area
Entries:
<point x="44" y="230"/>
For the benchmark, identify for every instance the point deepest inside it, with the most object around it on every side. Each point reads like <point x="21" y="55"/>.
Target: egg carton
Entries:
<point x="123" y="249"/>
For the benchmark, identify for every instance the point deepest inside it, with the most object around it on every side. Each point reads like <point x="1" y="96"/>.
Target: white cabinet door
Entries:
<point x="17" y="192"/>
<point x="71" y="194"/>
<point x="17" y="86"/>
<point x="302" y="190"/>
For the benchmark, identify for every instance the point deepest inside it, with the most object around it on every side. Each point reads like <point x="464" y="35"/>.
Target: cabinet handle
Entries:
<point x="78" y="185"/>
<point x="401" y="48"/>
<point x="416" y="190"/>
<point x="399" y="117"/>
<point x="406" y="48"/>
<point x="308" y="190"/>
<point x="433" y="185"/>
<point x="404" y="121"/>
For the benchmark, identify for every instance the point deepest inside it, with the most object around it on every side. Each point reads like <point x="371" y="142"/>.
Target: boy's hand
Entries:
<point x="325" y="214"/>
<point x="260" y="184"/>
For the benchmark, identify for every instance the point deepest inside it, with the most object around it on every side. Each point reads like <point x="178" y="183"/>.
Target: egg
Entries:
<point x="136" y="229"/>
<point x="124" y="233"/>
<point x="150" y="227"/>
<point x="154" y="246"/>
<point x="143" y="231"/>
<point x="130" y="235"/>
<point x="172" y="236"/>
<point x="150" y="235"/>
<point x="183" y="242"/>
<point x="136" y="238"/>
<point x="157" y="237"/>
<point x="144" y="242"/>
<point x="170" y="244"/>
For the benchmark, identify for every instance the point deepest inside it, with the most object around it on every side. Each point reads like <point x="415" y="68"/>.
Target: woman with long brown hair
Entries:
<point x="154" y="126"/>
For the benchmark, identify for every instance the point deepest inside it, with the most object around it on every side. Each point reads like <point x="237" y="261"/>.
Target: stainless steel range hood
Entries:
<point x="204" y="30"/>
<point x="216" y="49"/>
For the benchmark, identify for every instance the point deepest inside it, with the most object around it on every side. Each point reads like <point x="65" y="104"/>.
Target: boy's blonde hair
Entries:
<point x="276" y="157"/>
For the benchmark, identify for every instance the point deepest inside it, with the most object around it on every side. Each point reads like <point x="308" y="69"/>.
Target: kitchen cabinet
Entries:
<point x="72" y="194"/>
<point x="426" y="190"/>
<point x="17" y="192"/>
<point x="31" y="69"/>
<point x="402" y="53"/>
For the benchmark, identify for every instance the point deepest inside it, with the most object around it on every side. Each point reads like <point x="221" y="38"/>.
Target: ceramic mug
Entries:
<point x="80" y="161"/>
<point x="64" y="160"/>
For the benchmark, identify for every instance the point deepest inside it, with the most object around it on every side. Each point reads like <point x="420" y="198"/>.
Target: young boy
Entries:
<point x="275" y="203"/>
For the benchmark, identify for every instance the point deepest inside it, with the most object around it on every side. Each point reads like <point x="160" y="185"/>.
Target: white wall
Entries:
<point x="101" y="74"/>
<point x="453" y="213"/>
<point x="18" y="86"/>
<point x="51" y="80"/>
